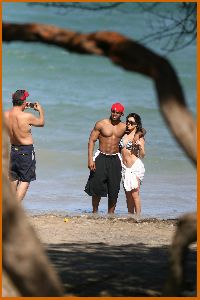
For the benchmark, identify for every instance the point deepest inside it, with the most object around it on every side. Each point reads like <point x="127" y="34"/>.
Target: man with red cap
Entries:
<point x="105" y="165"/>
<point x="22" y="154"/>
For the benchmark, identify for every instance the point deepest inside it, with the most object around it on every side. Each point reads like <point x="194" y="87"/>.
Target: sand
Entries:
<point x="110" y="256"/>
<point x="110" y="230"/>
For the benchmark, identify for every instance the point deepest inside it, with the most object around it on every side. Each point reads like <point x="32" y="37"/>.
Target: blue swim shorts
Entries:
<point x="22" y="163"/>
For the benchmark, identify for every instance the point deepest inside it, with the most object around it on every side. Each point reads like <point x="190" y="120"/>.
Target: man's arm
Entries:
<point x="92" y="140"/>
<point x="143" y="132"/>
<point x="37" y="121"/>
<point x="141" y="147"/>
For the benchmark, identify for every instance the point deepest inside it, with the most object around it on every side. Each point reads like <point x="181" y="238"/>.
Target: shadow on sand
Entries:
<point x="131" y="270"/>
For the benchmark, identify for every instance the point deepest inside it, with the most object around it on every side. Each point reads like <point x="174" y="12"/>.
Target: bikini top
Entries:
<point x="128" y="146"/>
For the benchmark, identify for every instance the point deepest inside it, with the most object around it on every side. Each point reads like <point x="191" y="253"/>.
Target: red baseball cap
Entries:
<point x="118" y="107"/>
<point x="20" y="95"/>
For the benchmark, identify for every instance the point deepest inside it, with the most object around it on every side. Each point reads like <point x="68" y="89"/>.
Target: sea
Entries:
<point x="77" y="90"/>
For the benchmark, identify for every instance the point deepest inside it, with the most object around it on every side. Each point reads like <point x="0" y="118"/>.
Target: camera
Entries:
<point x="30" y="105"/>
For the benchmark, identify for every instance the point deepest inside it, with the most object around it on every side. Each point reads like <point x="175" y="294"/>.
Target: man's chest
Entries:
<point x="112" y="131"/>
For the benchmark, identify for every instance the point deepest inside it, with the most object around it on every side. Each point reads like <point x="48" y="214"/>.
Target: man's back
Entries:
<point x="18" y="126"/>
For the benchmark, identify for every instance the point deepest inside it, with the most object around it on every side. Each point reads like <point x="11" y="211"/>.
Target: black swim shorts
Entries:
<point x="107" y="177"/>
<point x="22" y="163"/>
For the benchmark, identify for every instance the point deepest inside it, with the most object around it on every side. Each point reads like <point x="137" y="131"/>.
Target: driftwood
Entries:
<point x="133" y="57"/>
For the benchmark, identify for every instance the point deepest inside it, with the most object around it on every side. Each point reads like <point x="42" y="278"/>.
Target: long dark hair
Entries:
<point x="137" y="120"/>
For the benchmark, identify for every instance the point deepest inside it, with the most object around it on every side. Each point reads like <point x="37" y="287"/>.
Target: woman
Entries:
<point x="132" y="149"/>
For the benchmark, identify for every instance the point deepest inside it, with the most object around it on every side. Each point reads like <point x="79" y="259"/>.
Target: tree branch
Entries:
<point x="131" y="56"/>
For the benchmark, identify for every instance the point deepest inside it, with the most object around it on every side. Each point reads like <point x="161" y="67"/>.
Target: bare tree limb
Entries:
<point x="179" y="20"/>
<point x="129" y="55"/>
<point x="79" y="5"/>
<point x="178" y="29"/>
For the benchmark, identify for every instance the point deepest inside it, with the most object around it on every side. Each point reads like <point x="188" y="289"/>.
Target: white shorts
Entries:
<point x="130" y="175"/>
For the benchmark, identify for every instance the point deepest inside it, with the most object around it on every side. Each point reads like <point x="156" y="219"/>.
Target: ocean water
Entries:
<point x="76" y="91"/>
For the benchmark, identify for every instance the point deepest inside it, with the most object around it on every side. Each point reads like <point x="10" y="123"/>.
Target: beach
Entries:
<point x="96" y="254"/>
<point x="109" y="255"/>
<point x="78" y="90"/>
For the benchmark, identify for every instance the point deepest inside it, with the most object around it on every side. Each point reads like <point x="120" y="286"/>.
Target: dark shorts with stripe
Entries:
<point x="105" y="181"/>
<point x="22" y="163"/>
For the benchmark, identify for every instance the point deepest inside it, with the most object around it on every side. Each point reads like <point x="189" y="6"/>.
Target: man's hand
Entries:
<point x="91" y="165"/>
<point x="27" y="105"/>
<point x="37" y="121"/>
<point x="37" y="106"/>
<point x="137" y="143"/>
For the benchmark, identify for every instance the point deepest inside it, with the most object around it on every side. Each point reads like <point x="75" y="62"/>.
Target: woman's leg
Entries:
<point x="133" y="200"/>
<point x="130" y="202"/>
<point x="135" y="195"/>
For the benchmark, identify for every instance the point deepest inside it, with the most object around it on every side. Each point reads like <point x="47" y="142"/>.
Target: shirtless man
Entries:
<point x="105" y="166"/>
<point x="22" y="155"/>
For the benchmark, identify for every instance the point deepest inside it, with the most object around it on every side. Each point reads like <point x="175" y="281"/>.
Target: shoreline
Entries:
<point x="102" y="215"/>
<point x="105" y="217"/>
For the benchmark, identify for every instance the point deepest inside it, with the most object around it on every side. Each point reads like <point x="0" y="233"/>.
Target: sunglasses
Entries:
<point x="115" y="112"/>
<point x="131" y="123"/>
